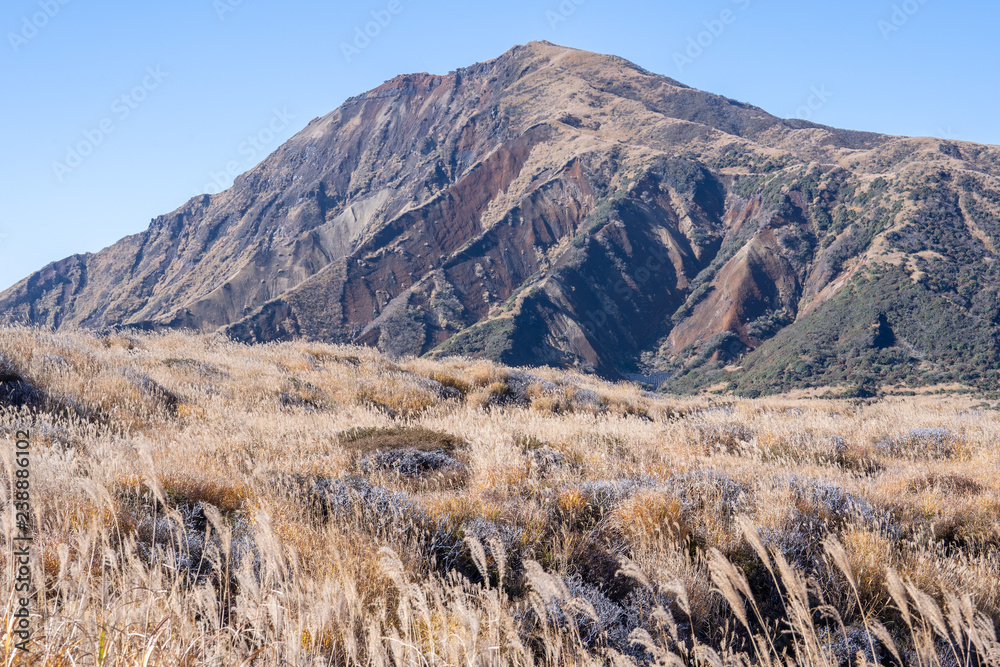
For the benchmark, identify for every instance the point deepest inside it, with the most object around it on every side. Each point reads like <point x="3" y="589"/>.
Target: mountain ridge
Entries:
<point x="555" y="206"/>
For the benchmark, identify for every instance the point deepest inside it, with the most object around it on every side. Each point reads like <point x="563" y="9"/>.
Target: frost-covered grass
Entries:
<point x="200" y="502"/>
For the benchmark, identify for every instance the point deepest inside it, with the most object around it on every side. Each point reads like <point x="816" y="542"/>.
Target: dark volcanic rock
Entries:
<point x="20" y="394"/>
<point x="15" y="391"/>
<point x="408" y="462"/>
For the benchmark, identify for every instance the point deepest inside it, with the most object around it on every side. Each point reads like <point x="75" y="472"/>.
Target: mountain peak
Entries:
<point x="557" y="206"/>
<point x="541" y="46"/>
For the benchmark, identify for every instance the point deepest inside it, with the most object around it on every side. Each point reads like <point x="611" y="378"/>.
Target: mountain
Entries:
<point x="559" y="207"/>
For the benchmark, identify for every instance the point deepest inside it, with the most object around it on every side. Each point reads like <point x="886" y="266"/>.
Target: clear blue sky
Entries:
<point x="226" y="70"/>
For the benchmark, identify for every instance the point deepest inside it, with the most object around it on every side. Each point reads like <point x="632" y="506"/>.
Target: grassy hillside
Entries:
<point x="201" y="502"/>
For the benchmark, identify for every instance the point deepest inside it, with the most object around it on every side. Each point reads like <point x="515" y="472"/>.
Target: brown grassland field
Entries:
<point x="201" y="502"/>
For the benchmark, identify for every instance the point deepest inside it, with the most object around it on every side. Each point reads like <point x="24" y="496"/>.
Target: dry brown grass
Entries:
<point x="201" y="502"/>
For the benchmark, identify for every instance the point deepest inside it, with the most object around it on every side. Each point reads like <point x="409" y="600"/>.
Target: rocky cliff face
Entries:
<point x="554" y="206"/>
